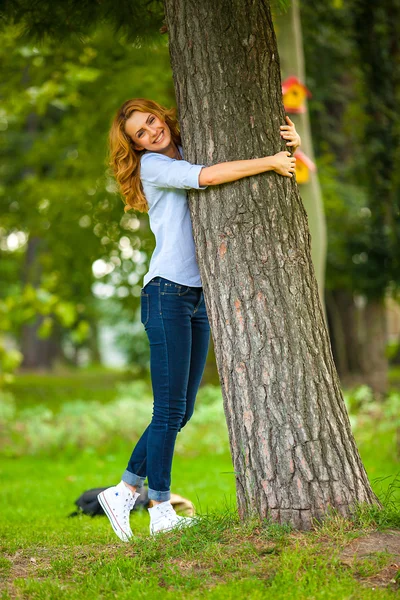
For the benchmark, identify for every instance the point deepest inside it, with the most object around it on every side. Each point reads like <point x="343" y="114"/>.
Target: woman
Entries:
<point x="147" y="159"/>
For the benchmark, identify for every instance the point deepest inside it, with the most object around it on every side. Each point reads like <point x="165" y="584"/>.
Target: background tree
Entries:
<point x="347" y="165"/>
<point x="376" y="30"/>
<point x="291" y="54"/>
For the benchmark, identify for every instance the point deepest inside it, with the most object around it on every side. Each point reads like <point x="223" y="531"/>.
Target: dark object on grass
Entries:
<point x="88" y="503"/>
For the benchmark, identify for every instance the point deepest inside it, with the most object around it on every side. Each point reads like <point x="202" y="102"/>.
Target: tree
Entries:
<point x="290" y="437"/>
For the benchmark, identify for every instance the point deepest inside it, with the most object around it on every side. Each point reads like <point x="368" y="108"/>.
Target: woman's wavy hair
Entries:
<point x="125" y="160"/>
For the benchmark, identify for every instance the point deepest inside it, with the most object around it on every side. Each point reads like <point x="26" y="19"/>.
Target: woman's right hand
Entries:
<point x="284" y="163"/>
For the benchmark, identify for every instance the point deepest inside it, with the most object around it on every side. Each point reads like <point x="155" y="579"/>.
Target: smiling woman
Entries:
<point x="147" y="158"/>
<point x="142" y="125"/>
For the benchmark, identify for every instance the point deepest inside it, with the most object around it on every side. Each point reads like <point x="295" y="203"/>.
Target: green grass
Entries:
<point x="53" y="390"/>
<point x="45" y="555"/>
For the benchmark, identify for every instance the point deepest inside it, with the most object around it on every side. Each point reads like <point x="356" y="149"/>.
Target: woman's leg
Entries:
<point x="200" y="345"/>
<point x="168" y="326"/>
<point x="135" y="473"/>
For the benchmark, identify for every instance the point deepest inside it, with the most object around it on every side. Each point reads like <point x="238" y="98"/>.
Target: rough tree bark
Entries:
<point x="290" y="438"/>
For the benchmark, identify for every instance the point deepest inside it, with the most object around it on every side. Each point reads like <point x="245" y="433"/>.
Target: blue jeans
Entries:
<point x="175" y="319"/>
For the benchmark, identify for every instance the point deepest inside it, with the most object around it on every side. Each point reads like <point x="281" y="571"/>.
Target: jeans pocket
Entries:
<point x="169" y="288"/>
<point x="144" y="308"/>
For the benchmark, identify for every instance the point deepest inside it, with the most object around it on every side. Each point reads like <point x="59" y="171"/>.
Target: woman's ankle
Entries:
<point x="131" y="487"/>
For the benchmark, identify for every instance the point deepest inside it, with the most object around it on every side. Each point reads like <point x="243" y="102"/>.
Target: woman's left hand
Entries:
<point x="288" y="132"/>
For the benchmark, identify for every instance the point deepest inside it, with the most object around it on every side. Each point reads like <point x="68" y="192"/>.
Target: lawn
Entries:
<point x="46" y="555"/>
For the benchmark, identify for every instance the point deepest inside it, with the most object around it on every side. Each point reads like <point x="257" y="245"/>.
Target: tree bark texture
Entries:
<point x="290" y="438"/>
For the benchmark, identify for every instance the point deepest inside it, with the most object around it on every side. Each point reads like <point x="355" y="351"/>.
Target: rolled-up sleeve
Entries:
<point x="163" y="171"/>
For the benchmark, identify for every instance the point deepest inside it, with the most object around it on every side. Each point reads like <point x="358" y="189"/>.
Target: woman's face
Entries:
<point x="148" y="132"/>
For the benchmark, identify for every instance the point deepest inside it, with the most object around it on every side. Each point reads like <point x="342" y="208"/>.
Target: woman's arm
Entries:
<point x="282" y="162"/>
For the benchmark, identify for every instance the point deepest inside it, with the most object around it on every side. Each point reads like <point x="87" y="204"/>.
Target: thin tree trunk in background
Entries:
<point x="291" y="55"/>
<point x="359" y="336"/>
<point x="337" y="335"/>
<point x="290" y="437"/>
<point x="342" y="302"/>
<point x="373" y="340"/>
<point x="38" y="353"/>
<point x="94" y="347"/>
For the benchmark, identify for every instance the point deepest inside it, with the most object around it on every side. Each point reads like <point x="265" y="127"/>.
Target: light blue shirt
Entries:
<point x="165" y="181"/>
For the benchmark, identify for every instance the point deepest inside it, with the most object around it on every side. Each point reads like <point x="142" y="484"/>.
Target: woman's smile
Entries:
<point x="159" y="138"/>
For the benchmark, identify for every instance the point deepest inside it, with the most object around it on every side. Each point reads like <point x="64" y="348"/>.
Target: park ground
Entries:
<point x="46" y="555"/>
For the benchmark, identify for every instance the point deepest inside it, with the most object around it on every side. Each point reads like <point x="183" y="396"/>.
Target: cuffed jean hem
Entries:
<point x="133" y="479"/>
<point x="158" y="496"/>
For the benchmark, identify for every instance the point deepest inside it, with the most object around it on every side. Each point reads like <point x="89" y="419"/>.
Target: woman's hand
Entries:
<point x="284" y="163"/>
<point x="288" y="132"/>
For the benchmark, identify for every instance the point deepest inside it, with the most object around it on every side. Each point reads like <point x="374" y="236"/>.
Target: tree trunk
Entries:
<point x="359" y="337"/>
<point x="290" y="438"/>
<point x="345" y="333"/>
<point x="337" y="335"/>
<point x="291" y="54"/>
<point x="38" y="353"/>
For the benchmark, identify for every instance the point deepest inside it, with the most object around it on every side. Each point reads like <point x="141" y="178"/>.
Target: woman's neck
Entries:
<point x="173" y="152"/>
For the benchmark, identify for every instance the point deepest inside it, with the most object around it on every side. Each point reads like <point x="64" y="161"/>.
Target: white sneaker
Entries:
<point x="164" y="518"/>
<point x="117" y="502"/>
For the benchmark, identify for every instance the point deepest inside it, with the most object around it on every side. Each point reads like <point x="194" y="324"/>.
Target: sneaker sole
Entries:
<point x="111" y="517"/>
<point x="180" y="526"/>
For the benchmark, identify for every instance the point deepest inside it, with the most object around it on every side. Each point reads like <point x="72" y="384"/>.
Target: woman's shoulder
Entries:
<point x="153" y="156"/>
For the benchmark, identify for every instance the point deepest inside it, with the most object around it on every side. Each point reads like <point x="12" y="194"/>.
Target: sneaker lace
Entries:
<point x="168" y="511"/>
<point x="128" y="505"/>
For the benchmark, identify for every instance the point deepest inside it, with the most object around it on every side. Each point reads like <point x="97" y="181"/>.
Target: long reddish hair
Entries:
<point x="125" y="160"/>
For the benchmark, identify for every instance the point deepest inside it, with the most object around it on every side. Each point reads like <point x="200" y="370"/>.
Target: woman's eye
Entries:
<point x="151" y="120"/>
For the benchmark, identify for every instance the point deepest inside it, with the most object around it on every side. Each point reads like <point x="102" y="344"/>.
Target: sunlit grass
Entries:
<point x="45" y="554"/>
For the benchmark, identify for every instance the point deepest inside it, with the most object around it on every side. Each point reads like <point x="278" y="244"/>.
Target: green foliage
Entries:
<point x="139" y="19"/>
<point x="368" y="416"/>
<point x="60" y="208"/>
<point x="347" y="216"/>
<point x="10" y="360"/>
<point x="352" y="61"/>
